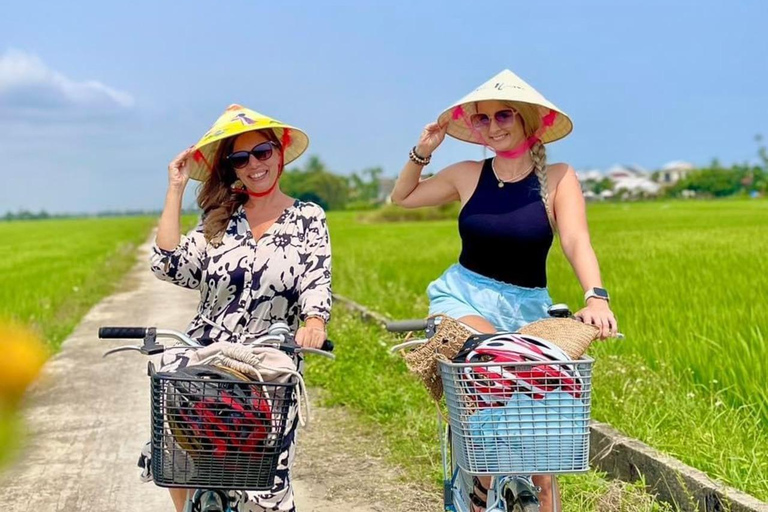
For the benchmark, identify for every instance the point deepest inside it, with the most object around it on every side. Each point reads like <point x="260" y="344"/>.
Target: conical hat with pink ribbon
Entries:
<point x="507" y="87"/>
<point x="234" y="121"/>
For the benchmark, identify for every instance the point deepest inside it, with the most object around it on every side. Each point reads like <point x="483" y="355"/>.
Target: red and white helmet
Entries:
<point x="503" y="375"/>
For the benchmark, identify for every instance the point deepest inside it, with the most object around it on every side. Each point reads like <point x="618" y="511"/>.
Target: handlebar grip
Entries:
<point x="122" y="332"/>
<point x="328" y="346"/>
<point x="407" y="325"/>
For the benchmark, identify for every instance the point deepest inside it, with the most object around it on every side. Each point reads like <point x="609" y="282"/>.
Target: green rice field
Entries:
<point x="52" y="272"/>
<point x="688" y="288"/>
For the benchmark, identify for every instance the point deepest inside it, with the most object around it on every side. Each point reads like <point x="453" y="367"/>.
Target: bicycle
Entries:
<point x="190" y="454"/>
<point x="508" y="436"/>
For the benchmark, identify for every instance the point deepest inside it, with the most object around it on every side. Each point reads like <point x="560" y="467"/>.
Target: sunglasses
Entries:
<point x="260" y="152"/>
<point x="504" y="118"/>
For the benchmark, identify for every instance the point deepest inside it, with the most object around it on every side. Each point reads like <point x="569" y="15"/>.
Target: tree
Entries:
<point x="315" y="183"/>
<point x="604" y="184"/>
<point x="365" y="188"/>
<point x="762" y="152"/>
<point x="314" y="165"/>
<point x="598" y="186"/>
<point x="714" y="181"/>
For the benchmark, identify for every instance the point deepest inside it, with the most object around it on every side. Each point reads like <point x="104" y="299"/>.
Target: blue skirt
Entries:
<point x="460" y="292"/>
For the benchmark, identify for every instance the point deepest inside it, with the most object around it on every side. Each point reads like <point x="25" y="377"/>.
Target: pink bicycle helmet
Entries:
<point x="507" y="369"/>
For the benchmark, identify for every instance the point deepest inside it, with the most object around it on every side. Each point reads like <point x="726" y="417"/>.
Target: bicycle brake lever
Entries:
<point x="122" y="349"/>
<point x="316" y="351"/>
<point x="147" y="350"/>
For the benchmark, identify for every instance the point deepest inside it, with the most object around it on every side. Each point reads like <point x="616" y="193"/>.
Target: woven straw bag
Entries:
<point x="572" y="336"/>
<point x="449" y="337"/>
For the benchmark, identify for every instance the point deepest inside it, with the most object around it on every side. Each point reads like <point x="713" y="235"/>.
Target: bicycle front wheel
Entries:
<point x="525" y="505"/>
<point x="521" y="503"/>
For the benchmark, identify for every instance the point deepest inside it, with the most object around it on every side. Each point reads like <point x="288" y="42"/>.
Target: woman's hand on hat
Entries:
<point x="432" y="136"/>
<point x="310" y="337"/>
<point x="178" y="169"/>
<point x="599" y="314"/>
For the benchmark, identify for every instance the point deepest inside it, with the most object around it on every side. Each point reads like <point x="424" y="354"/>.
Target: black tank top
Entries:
<point x="505" y="232"/>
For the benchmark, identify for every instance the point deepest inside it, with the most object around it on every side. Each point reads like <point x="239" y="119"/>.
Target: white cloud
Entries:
<point x="29" y="86"/>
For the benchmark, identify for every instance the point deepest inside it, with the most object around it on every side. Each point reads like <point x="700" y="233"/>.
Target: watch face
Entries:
<point x="601" y="292"/>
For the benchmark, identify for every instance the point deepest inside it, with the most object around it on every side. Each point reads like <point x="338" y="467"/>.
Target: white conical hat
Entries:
<point x="234" y="121"/>
<point x="506" y="86"/>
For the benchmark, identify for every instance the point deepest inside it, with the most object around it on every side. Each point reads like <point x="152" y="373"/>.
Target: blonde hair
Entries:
<point x="531" y="123"/>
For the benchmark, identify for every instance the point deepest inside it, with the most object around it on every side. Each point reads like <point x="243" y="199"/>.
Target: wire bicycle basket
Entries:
<point x="218" y="430"/>
<point x="521" y="418"/>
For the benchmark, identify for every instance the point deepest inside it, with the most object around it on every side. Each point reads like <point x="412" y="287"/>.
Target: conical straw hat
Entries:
<point x="234" y="121"/>
<point x="506" y="86"/>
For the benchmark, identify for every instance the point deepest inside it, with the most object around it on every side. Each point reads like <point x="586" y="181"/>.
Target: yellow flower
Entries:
<point x="22" y="355"/>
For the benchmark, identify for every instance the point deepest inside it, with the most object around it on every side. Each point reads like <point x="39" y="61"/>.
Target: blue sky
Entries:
<point x="97" y="97"/>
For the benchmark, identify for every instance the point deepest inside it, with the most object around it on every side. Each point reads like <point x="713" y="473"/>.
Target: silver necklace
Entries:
<point x="514" y="179"/>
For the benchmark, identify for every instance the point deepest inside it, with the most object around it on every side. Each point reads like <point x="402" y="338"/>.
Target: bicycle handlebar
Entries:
<point x="420" y="324"/>
<point x="407" y="325"/>
<point x="122" y="333"/>
<point x="279" y="334"/>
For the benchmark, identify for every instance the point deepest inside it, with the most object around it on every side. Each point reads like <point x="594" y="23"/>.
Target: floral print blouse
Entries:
<point x="246" y="284"/>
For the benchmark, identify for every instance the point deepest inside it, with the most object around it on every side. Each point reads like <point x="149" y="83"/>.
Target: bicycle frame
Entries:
<point x="503" y="487"/>
<point x="455" y="497"/>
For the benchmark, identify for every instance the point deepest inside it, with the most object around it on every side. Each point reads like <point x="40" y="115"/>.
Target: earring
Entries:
<point x="237" y="186"/>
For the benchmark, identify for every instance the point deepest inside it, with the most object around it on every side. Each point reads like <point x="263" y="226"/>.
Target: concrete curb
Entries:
<point x="669" y="479"/>
<point x="623" y="458"/>
<point x="364" y="313"/>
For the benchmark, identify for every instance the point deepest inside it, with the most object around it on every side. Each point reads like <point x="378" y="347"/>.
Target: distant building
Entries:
<point x="587" y="180"/>
<point x="618" y="172"/>
<point x="631" y="181"/>
<point x="634" y="180"/>
<point x="637" y="186"/>
<point x="589" y="175"/>
<point x="674" y="171"/>
<point x="606" y="194"/>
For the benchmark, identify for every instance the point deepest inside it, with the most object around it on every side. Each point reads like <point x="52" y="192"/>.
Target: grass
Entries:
<point x="53" y="272"/>
<point x="10" y="433"/>
<point x="688" y="290"/>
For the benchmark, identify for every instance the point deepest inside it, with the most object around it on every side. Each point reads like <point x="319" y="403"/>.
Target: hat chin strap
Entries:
<point x="521" y="149"/>
<point x="266" y="192"/>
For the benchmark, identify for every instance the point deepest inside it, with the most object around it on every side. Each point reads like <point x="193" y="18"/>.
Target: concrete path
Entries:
<point x="88" y="417"/>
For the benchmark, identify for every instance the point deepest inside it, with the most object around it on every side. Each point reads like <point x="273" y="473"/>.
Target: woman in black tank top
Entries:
<point x="509" y="216"/>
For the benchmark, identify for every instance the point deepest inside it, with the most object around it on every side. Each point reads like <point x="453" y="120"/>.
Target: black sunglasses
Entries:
<point x="261" y="152"/>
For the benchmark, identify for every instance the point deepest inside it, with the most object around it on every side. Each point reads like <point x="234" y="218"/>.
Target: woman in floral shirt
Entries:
<point x="257" y="256"/>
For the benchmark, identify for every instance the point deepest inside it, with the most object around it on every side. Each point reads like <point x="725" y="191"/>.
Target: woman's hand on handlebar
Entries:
<point x="312" y="334"/>
<point x="599" y="314"/>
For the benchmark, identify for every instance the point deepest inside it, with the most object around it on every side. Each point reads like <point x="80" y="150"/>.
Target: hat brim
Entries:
<point x="229" y="125"/>
<point x="459" y="126"/>
<point x="506" y="87"/>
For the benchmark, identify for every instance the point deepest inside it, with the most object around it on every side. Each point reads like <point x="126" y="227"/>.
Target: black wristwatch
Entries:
<point x="600" y="293"/>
